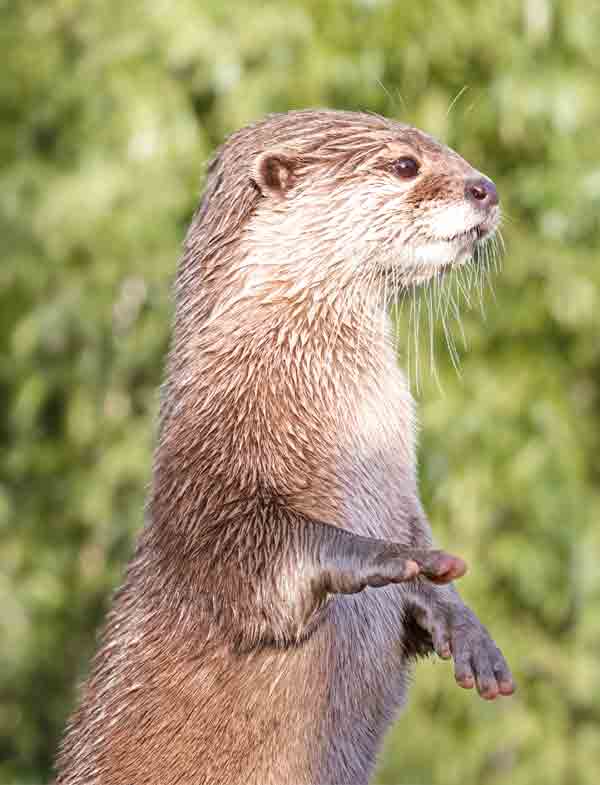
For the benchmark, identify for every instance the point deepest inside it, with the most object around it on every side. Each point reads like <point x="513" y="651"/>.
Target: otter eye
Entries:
<point x="406" y="167"/>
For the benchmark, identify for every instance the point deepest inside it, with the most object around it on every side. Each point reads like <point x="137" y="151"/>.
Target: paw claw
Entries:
<point x="507" y="687"/>
<point x="411" y="569"/>
<point x="466" y="682"/>
<point x="489" y="696"/>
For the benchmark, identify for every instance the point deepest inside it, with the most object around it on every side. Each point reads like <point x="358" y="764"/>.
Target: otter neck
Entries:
<point x="263" y="399"/>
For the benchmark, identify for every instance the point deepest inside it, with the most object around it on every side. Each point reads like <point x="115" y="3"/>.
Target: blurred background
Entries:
<point x="108" y="113"/>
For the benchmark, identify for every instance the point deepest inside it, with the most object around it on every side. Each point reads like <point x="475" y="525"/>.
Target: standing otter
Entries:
<point x="240" y="649"/>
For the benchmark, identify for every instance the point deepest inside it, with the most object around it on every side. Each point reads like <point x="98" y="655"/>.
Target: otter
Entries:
<point x="285" y="579"/>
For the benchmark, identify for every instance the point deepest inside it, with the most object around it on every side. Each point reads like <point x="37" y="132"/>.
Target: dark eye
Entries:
<point x="406" y="167"/>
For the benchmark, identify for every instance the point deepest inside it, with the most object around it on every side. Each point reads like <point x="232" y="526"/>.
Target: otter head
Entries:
<point x="325" y="197"/>
<point x="377" y="191"/>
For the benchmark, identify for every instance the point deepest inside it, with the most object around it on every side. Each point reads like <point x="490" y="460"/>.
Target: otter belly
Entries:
<point x="164" y="706"/>
<point x="315" y="714"/>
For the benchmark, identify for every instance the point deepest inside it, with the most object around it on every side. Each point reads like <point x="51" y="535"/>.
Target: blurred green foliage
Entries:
<point x="108" y="112"/>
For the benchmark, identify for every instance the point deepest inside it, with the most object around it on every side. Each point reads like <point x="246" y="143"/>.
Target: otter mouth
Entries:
<point x="475" y="234"/>
<point x="446" y="253"/>
<point x="465" y="243"/>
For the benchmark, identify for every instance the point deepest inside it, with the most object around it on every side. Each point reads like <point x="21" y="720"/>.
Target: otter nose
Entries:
<point x="481" y="192"/>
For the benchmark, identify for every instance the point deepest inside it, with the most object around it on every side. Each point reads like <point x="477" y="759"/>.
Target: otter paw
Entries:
<point x="477" y="659"/>
<point x="438" y="566"/>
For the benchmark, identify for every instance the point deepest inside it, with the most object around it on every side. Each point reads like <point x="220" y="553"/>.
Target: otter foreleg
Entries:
<point x="350" y="563"/>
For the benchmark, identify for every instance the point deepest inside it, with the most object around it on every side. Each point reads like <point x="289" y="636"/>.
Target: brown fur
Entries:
<point x="234" y="653"/>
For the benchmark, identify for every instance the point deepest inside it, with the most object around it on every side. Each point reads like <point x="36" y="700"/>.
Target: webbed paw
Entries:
<point x="478" y="662"/>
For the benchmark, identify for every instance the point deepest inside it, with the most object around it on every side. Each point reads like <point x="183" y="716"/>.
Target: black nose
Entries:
<point x="481" y="192"/>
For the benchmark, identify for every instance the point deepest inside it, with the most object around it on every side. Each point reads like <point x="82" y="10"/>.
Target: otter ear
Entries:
<point x="274" y="174"/>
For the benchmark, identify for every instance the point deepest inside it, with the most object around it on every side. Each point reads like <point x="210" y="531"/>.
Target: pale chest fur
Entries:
<point x="379" y="465"/>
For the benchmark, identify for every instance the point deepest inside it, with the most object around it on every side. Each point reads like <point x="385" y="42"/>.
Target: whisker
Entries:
<point x="387" y="92"/>
<point x="430" y="296"/>
<point x="461" y="92"/>
<point x="461" y="288"/>
<point x="417" y="359"/>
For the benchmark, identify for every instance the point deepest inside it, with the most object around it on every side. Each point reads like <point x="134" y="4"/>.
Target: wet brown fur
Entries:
<point x="222" y="661"/>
